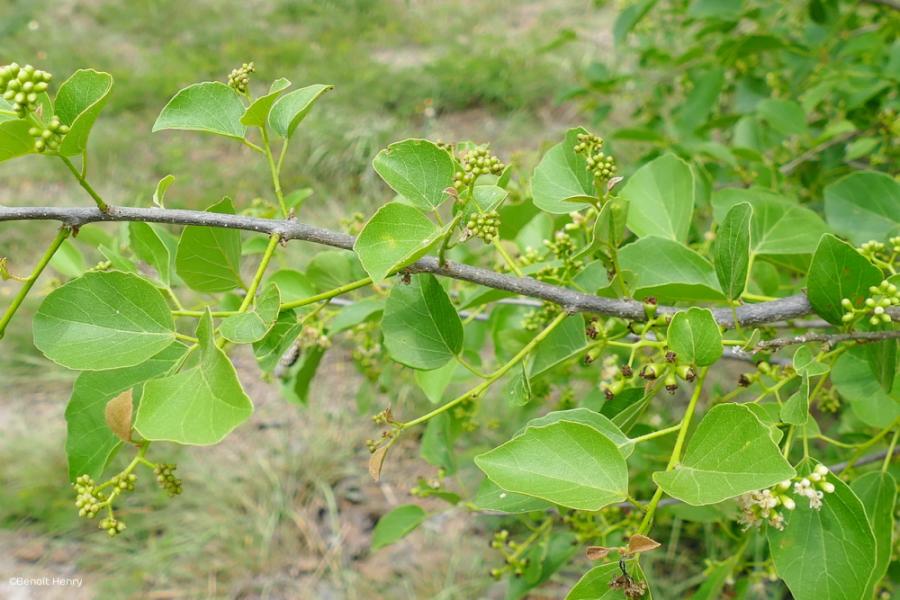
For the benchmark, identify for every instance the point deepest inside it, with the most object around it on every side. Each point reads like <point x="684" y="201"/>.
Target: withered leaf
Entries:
<point x="597" y="552"/>
<point x="376" y="462"/>
<point x="118" y="415"/>
<point x="640" y="543"/>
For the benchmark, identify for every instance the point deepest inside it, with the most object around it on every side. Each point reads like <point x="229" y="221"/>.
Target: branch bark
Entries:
<point x="790" y="307"/>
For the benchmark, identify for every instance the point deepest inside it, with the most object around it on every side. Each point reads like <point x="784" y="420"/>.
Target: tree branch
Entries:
<point x="862" y="337"/>
<point x="782" y="309"/>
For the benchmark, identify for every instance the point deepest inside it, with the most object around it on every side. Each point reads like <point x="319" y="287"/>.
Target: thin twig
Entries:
<point x="782" y="309"/>
<point x="862" y="337"/>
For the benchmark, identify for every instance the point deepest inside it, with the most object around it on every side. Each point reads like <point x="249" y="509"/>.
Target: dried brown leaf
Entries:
<point x="118" y="415"/>
<point x="376" y="462"/>
<point x="597" y="552"/>
<point x="640" y="543"/>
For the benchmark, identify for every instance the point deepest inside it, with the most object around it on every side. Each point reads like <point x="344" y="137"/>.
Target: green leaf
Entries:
<point x="150" y="248"/>
<point x="838" y="271"/>
<point x="90" y="443"/>
<point x="784" y="116"/>
<point x="590" y="418"/>
<point x="695" y="337"/>
<point x="355" y="313"/>
<point x="397" y="235"/>
<point x="609" y="228"/>
<point x="420" y="325"/>
<point x="731" y="251"/>
<point x="492" y="497"/>
<point x="731" y="453"/>
<point x="437" y="442"/>
<point x="208" y="259"/>
<point x="805" y="362"/>
<point x="864" y="206"/>
<point x="289" y="110"/>
<point x="796" y="410"/>
<point x="309" y="365"/>
<point x="778" y="225"/>
<point x="629" y="17"/>
<point x="518" y="387"/>
<point x="199" y="405"/>
<point x="249" y="327"/>
<point x="570" y="464"/>
<point x="564" y="342"/>
<point x="594" y="585"/>
<point x="332" y="268"/>
<point x="694" y="112"/>
<point x="159" y="194"/>
<point x="257" y="114"/>
<point x="669" y="271"/>
<point x="660" y="198"/>
<point x="293" y="285"/>
<point x="396" y="525"/>
<point x="878" y="493"/>
<point x="543" y="560"/>
<point x="825" y="554"/>
<point x="433" y="383"/>
<point x="418" y="170"/>
<point x="103" y="320"/>
<point x="78" y="103"/>
<point x="69" y="260"/>
<point x="15" y="140"/>
<point x="882" y="359"/>
<point x="269" y="350"/>
<point x="488" y="197"/>
<point x="852" y="375"/>
<point x="212" y="107"/>
<point x="562" y="181"/>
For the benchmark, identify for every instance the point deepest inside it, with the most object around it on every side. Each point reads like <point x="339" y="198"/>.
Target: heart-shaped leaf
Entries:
<point x="838" y="271"/>
<point x="562" y="181"/>
<point x="418" y="170"/>
<point x="290" y="109"/>
<point x="78" y="104"/>
<point x="420" y="325"/>
<point x="212" y="107"/>
<point x="395" y="236"/>
<point x="103" y="320"/>
<point x="730" y="453"/>
<point x="199" y="405"/>
<point x="567" y="463"/>
<point x="660" y="198"/>
<point x="208" y="259"/>
<point x="249" y="327"/>
<point x="695" y="337"/>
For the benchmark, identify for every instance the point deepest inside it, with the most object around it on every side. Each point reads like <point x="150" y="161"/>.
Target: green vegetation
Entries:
<point x="659" y="362"/>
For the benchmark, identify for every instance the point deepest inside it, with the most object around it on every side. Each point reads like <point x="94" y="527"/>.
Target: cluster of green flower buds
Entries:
<point x="512" y="553"/>
<point x="538" y="318"/>
<point x="881" y="298"/>
<point x="88" y="499"/>
<point x="475" y="162"/>
<point x="484" y="225"/>
<point x="764" y="506"/>
<point x="125" y="483"/>
<point x="165" y="476"/>
<point x="600" y="164"/>
<point x="112" y="526"/>
<point x="21" y="85"/>
<point x="50" y="137"/>
<point x="239" y="79"/>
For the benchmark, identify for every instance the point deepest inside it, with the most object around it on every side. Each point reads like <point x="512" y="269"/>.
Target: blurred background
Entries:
<point x="284" y="508"/>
